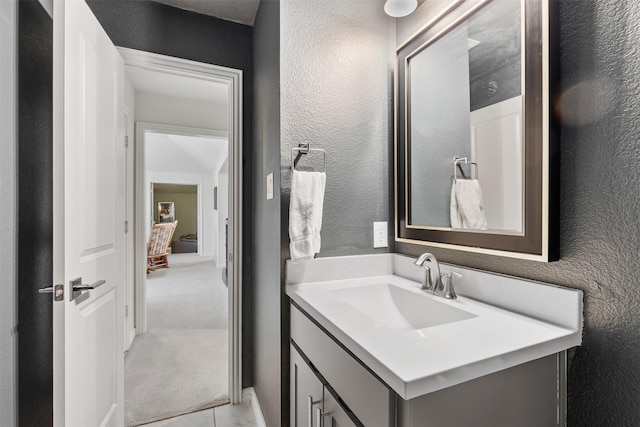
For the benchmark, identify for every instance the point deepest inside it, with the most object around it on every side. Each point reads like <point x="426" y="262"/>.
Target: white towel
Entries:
<point x="467" y="209"/>
<point x="305" y="213"/>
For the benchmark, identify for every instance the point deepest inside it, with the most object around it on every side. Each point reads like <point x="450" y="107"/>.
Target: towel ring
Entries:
<point x="457" y="161"/>
<point x="305" y="148"/>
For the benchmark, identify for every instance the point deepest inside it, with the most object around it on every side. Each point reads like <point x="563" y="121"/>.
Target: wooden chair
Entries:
<point x="158" y="244"/>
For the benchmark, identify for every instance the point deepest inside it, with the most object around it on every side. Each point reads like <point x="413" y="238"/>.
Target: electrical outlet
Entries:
<point x="270" y="186"/>
<point x="380" y="238"/>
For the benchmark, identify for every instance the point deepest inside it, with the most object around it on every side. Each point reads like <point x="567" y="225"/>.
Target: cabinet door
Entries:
<point x="368" y="398"/>
<point x="304" y="383"/>
<point x="334" y="414"/>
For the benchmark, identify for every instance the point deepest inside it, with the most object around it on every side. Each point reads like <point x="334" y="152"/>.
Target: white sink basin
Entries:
<point x="400" y="309"/>
<point x="418" y="343"/>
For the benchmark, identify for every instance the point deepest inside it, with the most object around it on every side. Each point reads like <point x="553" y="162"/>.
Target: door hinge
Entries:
<point x="126" y="226"/>
<point x="126" y="141"/>
<point x="126" y="311"/>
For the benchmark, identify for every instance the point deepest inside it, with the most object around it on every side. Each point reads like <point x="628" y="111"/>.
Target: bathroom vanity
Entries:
<point x="368" y="347"/>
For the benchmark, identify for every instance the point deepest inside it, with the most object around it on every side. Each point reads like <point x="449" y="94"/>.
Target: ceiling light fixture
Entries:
<point x="400" y="8"/>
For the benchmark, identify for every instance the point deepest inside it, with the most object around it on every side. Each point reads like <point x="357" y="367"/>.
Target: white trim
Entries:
<point x="58" y="210"/>
<point x="233" y="79"/>
<point x="9" y="214"/>
<point x="177" y="66"/>
<point x="234" y="274"/>
<point x="184" y="130"/>
<point x="129" y="217"/>
<point x="255" y="405"/>
<point x="223" y="158"/>
<point x="545" y="129"/>
<point x="544" y="257"/>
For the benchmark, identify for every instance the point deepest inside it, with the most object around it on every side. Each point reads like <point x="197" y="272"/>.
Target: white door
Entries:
<point x="496" y="147"/>
<point x="88" y="220"/>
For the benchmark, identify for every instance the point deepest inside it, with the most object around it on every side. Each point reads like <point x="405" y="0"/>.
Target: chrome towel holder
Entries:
<point x="303" y="149"/>
<point x="457" y="161"/>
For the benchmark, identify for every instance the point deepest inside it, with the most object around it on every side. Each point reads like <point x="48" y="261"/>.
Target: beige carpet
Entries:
<point x="181" y="364"/>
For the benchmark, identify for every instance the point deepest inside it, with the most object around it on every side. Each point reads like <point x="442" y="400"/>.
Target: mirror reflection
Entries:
<point x="464" y="134"/>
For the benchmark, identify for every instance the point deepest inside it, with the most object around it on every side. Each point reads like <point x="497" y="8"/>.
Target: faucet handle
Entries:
<point x="449" y="291"/>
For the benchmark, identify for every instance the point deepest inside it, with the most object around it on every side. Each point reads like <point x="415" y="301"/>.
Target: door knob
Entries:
<point x="56" y="290"/>
<point x="77" y="287"/>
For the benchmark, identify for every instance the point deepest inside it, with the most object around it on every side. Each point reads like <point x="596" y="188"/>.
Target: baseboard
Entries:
<point x="255" y="405"/>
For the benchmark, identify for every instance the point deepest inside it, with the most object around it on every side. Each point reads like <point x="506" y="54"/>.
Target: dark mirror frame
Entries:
<point x="539" y="240"/>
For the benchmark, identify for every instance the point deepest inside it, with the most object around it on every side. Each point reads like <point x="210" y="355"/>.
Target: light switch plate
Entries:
<point x="380" y="238"/>
<point x="270" y="186"/>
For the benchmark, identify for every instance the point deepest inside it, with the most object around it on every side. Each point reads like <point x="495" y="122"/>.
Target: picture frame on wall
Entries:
<point x="166" y="212"/>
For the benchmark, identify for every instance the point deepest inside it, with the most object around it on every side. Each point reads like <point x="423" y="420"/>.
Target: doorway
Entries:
<point x="209" y="239"/>
<point x="180" y="203"/>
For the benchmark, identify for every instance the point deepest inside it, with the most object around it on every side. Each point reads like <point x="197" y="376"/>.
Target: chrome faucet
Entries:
<point x="440" y="284"/>
<point x="432" y="279"/>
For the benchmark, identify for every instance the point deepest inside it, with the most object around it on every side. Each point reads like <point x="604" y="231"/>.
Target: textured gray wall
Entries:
<point x="336" y="61"/>
<point x="266" y="240"/>
<point x="8" y="220"/>
<point x="600" y="201"/>
<point x="336" y="80"/>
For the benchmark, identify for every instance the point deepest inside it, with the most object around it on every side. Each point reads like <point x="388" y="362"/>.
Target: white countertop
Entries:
<point x="416" y="362"/>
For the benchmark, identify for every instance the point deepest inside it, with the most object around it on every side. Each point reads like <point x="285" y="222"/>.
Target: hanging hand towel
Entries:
<point x="305" y="213"/>
<point x="466" y="209"/>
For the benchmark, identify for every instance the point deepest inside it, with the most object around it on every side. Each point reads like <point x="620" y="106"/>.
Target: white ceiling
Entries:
<point x="178" y="86"/>
<point x="241" y="11"/>
<point x="183" y="154"/>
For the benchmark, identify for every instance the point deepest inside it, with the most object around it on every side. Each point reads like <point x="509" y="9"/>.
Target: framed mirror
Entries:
<point x="476" y="160"/>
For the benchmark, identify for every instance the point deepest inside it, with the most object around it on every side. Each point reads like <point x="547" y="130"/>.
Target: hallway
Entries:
<point x="181" y="364"/>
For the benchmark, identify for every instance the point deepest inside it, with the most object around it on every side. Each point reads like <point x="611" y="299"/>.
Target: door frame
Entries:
<point x="142" y="186"/>
<point x="144" y="211"/>
<point x="199" y="215"/>
<point x="234" y="79"/>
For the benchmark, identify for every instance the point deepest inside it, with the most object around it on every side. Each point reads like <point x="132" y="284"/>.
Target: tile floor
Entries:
<point x="240" y="415"/>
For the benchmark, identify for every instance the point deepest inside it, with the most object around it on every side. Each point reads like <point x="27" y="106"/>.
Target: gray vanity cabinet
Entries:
<point x="531" y="394"/>
<point x="359" y="397"/>
<point x="334" y="414"/>
<point x="305" y="387"/>
<point x="311" y="400"/>
<point x="526" y="395"/>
